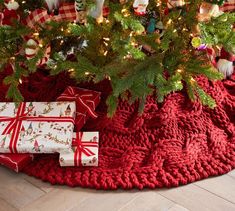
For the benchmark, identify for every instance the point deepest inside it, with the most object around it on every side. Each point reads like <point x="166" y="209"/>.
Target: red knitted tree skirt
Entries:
<point x="171" y="144"/>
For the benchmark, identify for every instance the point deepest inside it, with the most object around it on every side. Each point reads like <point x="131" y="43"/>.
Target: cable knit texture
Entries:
<point x="171" y="144"/>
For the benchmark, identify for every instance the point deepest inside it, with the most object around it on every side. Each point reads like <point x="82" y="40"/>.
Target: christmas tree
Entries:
<point x="143" y="47"/>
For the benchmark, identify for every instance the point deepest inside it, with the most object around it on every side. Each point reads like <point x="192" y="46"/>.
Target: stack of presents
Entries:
<point x="31" y="128"/>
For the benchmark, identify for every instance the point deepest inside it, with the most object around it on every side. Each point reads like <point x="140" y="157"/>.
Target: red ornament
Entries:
<point x="9" y="13"/>
<point x="9" y="16"/>
<point x="166" y="11"/>
<point x="106" y="11"/>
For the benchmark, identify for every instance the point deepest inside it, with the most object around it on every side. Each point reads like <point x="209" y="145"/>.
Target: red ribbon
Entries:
<point x="83" y="100"/>
<point x="81" y="148"/>
<point x="15" y="124"/>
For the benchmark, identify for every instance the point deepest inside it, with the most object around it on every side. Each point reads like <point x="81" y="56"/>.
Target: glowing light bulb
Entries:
<point x="133" y="43"/>
<point x="169" y="21"/>
<point x="179" y="71"/>
<point x="100" y="20"/>
<point x="192" y="79"/>
<point x="105" y="53"/>
<point x="71" y="70"/>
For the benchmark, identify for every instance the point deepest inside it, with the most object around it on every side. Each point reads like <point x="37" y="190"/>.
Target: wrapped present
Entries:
<point x="84" y="151"/>
<point x="15" y="162"/>
<point x="86" y="102"/>
<point x="36" y="127"/>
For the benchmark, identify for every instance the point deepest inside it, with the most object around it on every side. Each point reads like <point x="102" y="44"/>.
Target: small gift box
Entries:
<point x="36" y="127"/>
<point x="86" y="103"/>
<point x="15" y="162"/>
<point x="84" y="151"/>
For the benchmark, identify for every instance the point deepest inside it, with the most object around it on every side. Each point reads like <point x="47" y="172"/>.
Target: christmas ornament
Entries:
<point x="9" y="13"/>
<point x="175" y="3"/>
<point x="97" y="11"/>
<point x="80" y="9"/>
<point x="12" y="5"/>
<point x="80" y="5"/>
<point x="225" y="67"/>
<point x="197" y="43"/>
<point x="31" y="50"/>
<point x="106" y="11"/>
<point x="151" y="25"/>
<point x="159" y="28"/>
<point x="207" y="11"/>
<point x="53" y="6"/>
<point x="140" y="6"/>
<point x="225" y="63"/>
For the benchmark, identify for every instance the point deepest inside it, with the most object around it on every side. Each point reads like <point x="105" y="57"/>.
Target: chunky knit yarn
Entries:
<point x="170" y="144"/>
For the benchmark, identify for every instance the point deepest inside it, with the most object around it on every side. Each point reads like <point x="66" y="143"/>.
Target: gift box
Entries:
<point x="36" y="127"/>
<point x="86" y="103"/>
<point x="84" y="151"/>
<point x="15" y="162"/>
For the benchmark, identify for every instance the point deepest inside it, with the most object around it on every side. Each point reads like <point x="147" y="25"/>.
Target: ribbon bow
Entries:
<point x="15" y="123"/>
<point x="83" y="99"/>
<point x="81" y="148"/>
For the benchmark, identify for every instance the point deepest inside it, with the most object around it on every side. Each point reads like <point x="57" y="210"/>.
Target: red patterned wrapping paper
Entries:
<point x="84" y="151"/>
<point x="86" y="103"/>
<point x="15" y="162"/>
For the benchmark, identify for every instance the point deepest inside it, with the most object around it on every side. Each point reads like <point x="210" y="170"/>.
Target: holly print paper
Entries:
<point x="36" y="127"/>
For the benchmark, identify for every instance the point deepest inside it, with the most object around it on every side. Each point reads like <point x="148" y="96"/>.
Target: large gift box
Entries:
<point x="15" y="162"/>
<point x="36" y="127"/>
<point x="84" y="151"/>
<point x="86" y="103"/>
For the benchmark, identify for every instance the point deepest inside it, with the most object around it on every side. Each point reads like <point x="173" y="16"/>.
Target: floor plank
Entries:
<point x="59" y="199"/>
<point x="232" y="174"/>
<point x="106" y="201"/>
<point x="177" y="207"/>
<point x="148" y="201"/>
<point x="195" y="198"/>
<point x="223" y="186"/>
<point x="15" y="190"/>
<point x="44" y="186"/>
<point x="4" y="206"/>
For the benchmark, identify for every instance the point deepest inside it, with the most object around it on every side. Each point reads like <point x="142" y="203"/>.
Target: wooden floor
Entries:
<point x="20" y="192"/>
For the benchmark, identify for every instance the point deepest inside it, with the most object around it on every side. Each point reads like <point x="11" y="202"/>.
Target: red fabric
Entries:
<point x="171" y="144"/>
<point x="66" y="13"/>
<point x="15" y="162"/>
